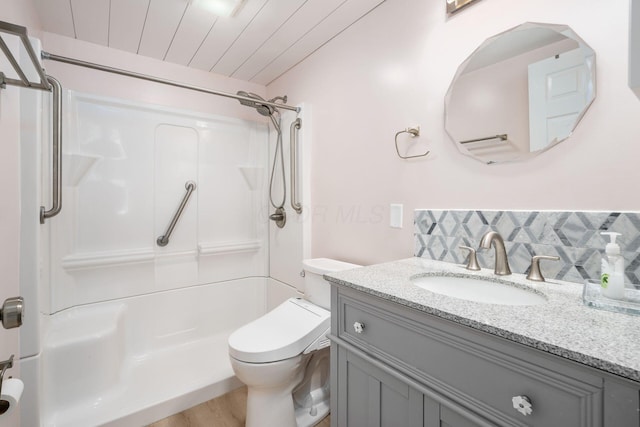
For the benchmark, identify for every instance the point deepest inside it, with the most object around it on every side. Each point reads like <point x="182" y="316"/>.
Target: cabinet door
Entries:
<point x="621" y="403"/>
<point x="370" y="397"/>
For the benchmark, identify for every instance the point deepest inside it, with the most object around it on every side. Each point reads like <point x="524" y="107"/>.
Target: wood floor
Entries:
<point x="225" y="411"/>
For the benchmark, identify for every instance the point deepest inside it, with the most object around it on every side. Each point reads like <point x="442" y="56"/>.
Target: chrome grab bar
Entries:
<point x="56" y="168"/>
<point x="190" y="186"/>
<point x="293" y="157"/>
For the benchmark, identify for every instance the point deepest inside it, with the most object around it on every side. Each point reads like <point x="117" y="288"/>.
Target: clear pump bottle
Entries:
<point x="612" y="275"/>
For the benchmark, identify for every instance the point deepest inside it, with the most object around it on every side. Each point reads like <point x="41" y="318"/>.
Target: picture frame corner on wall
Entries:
<point x="454" y="6"/>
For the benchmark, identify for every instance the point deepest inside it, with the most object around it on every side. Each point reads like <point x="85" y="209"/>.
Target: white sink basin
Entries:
<point x="478" y="289"/>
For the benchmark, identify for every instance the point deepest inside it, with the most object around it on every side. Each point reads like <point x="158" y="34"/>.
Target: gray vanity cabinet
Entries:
<point x="393" y="366"/>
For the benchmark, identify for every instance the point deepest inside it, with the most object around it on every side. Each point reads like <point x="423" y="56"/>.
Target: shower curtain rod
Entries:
<point x="72" y="61"/>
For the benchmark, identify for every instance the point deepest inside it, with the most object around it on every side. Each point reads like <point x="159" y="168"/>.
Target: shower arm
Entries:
<point x="293" y="158"/>
<point x="163" y="240"/>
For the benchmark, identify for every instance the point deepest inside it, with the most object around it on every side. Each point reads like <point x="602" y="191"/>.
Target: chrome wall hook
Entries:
<point x="413" y="132"/>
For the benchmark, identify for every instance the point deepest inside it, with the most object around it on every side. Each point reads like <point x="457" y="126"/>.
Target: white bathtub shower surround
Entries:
<point x="131" y="361"/>
<point x="132" y="331"/>
<point x="127" y="165"/>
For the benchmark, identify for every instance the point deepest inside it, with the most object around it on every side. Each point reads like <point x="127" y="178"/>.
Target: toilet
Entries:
<point x="283" y="356"/>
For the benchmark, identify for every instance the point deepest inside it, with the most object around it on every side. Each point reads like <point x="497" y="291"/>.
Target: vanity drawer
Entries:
<point x="471" y="367"/>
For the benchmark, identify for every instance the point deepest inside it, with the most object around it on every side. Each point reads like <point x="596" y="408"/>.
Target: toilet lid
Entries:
<point x="282" y="333"/>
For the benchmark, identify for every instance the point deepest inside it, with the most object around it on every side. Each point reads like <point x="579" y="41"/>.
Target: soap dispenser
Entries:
<point x="612" y="277"/>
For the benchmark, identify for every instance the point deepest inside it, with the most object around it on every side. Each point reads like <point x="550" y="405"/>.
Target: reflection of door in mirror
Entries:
<point x="558" y="93"/>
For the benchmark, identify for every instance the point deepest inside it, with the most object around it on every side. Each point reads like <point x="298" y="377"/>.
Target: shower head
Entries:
<point x="265" y="110"/>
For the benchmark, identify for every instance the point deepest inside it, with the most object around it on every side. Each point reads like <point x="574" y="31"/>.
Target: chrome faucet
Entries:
<point x="502" y="264"/>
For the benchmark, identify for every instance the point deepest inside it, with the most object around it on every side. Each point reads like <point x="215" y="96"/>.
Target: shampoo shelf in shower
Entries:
<point x="107" y="259"/>
<point x="148" y="255"/>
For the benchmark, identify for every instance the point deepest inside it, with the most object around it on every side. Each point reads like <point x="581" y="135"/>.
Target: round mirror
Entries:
<point x="520" y="93"/>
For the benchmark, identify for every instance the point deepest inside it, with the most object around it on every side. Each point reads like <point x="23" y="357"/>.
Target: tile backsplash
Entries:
<point x="573" y="236"/>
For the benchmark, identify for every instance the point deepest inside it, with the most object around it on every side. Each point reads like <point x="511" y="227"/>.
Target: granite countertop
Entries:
<point x="563" y="325"/>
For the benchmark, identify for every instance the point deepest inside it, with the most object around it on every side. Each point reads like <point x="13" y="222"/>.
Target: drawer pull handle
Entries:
<point x="522" y="404"/>
<point x="358" y="327"/>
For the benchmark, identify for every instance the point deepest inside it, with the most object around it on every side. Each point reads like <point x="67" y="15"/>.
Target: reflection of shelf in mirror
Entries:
<point x="107" y="259"/>
<point x="229" y="247"/>
<point x="501" y="137"/>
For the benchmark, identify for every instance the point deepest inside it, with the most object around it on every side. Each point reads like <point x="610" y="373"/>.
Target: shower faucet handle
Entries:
<point x="279" y="217"/>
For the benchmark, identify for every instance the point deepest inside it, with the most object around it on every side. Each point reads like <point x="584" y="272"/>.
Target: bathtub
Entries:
<point x="132" y="361"/>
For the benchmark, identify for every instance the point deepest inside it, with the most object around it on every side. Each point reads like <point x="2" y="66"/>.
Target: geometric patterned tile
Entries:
<point x="420" y="245"/>
<point x="573" y="236"/>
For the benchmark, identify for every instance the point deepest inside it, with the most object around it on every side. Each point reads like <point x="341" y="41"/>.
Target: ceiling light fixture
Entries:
<point x="225" y="8"/>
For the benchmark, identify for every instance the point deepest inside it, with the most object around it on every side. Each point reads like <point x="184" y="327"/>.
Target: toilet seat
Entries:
<point x="282" y="333"/>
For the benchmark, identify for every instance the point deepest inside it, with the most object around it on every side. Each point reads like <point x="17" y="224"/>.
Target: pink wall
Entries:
<point x="21" y="12"/>
<point x="392" y="69"/>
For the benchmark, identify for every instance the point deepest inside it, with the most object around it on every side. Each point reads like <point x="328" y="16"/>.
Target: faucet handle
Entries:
<point x="534" y="271"/>
<point x="472" y="263"/>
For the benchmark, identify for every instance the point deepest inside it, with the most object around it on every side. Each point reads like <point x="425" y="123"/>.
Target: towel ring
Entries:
<point x="413" y="132"/>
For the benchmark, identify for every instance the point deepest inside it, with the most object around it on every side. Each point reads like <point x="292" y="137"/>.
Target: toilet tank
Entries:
<point x="316" y="289"/>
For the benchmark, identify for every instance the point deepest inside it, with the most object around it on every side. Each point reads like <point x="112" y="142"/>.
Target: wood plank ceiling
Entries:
<point x="262" y="41"/>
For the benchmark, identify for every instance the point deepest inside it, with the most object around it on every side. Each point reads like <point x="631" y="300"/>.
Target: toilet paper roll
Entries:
<point x="11" y="393"/>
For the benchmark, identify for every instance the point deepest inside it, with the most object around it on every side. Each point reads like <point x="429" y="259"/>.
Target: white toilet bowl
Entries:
<point x="283" y="356"/>
<point x="270" y="386"/>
